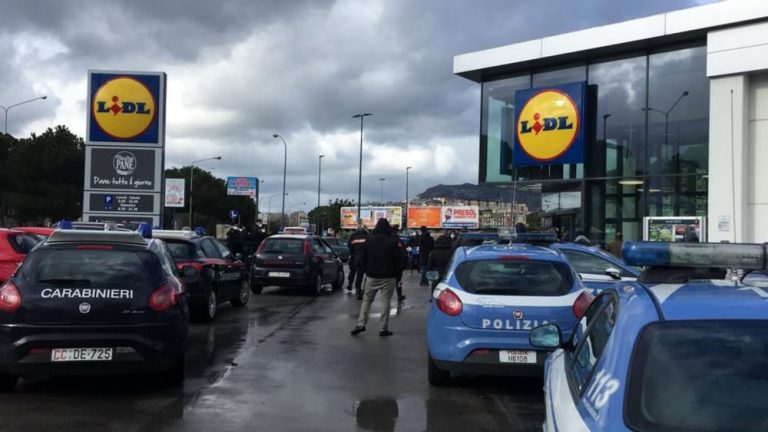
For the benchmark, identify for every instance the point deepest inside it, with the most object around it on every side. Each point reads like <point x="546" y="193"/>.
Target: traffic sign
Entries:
<point x="233" y="214"/>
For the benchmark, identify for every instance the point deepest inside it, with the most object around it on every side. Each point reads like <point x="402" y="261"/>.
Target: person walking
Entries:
<point x="440" y="257"/>
<point x="614" y="246"/>
<point x="356" y="272"/>
<point x="383" y="260"/>
<point x="426" y="245"/>
<point x="233" y="240"/>
<point x="404" y="254"/>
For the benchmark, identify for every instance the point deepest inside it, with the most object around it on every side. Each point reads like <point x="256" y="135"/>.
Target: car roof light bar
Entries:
<point x="718" y="255"/>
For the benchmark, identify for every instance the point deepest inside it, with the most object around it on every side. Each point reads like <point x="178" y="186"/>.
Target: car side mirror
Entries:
<point x="546" y="336"/>
<point x="433" y="276"/>
<point x="188" y="271"/>
<point x="613" y="272"/>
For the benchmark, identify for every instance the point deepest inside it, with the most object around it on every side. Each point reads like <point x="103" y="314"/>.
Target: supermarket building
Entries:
<point x="674" y="122"/>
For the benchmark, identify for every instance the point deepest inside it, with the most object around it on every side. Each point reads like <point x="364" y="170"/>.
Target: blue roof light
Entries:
<point x="145" y="230"/>
<point x="723" y="255"/>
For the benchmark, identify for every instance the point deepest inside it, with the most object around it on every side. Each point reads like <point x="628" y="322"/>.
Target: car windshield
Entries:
<point x="89" y="267"/>
<point x="515" y="277"/>
<point x="283" y="245"/>
<point x="23" y="243"/>
<point x="181" y="250"/>
<point x="703" y="376"/>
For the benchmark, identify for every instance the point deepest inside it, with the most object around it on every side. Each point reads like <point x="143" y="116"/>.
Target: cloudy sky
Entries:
<point x="239" y="71"/>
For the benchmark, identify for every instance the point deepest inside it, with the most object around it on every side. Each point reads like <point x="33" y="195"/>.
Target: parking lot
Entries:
<point x="286" y="362"/>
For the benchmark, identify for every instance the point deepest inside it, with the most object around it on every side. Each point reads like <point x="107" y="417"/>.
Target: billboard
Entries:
<point x="686" y="229"/>
<point x="460" y="217"/>
<point x="174" y="192"/>
<point x="429" y="217"/>
<point x="548" y="126"/>
<point x="370" y="215"/>
<point x="242" y="186"/>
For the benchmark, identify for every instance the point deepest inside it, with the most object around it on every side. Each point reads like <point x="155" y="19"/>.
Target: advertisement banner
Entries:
<point x="548" y="127"/>
<point x="370" y="215"/>
<point x="460" y="217"/>
<point x="174" y="192"/>
<point x="123" y="168"/>
<point x="242" y="186"/>
<point x="686" y="229"/>
<point x="429" y="217"/>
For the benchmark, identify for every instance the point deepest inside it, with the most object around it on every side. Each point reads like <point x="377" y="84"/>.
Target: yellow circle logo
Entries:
<point x="123" y="108"/>
<point x="548" y="125"/>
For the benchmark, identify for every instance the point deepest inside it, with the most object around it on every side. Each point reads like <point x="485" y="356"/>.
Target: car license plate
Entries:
<point x="517" y="356"/>
<point x="279" y="274"/>
<point x="81" y="354"/>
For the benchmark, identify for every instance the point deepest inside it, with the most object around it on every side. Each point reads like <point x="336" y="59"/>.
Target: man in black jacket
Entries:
<point x="426" y="245"/>
<point x="383" y="260"/>
<point x="356" y="270"/>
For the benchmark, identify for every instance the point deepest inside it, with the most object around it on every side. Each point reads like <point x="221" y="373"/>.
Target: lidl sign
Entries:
<point x="549" y="126"/>
<point x="126" y="107"/>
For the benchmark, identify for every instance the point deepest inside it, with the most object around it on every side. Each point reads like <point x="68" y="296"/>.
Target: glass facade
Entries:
<point x="646" y="151"/>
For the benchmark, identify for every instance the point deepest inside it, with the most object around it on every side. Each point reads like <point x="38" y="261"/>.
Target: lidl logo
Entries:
<point x="548" y="129"/>
<point x="125" y="107"/>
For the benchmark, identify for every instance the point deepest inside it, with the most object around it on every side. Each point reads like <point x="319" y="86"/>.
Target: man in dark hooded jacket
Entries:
<point x="426" y="244"/>
<point x="440" y="256"/>
<point x="383" y="261"/>
<point x="356" y="270"/>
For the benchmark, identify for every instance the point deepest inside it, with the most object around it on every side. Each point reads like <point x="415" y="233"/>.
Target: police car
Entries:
<point x="87" y="302"/>
<point x="685" y="348"/>
<point x="598" y="269"/>
<point x="488" y="301"/>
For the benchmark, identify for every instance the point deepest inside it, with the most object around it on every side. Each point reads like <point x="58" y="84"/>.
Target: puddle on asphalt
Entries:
<point x="379" y="414"/>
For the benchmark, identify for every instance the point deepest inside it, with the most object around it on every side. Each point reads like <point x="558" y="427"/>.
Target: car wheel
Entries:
<point x="206" y="309"/>
<point x="339" y="283"/>
<point x="243" y="295"/>
<point x="437" y="377"/>
<point x="315" y="285"/>
<point x="8" y="382"/>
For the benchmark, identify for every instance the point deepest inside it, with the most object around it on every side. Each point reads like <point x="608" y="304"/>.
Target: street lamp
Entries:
<point x="4" y="108"/>
<point x="192" y="182"/>
<point x="258" y="200"/>
<point x="406" y="199"/>
<point x="360" y="172"/>
<point x="381" y="199"/>
<point x="285" y="165"/>
<point x="666" y="114"/>
<point x="319" y="174"/>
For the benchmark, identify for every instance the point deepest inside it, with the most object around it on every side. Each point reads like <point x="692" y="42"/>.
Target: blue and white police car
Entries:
<point x="488" y="301"/>
<point x="598" y="269"/>
<point x="685" y="348"/>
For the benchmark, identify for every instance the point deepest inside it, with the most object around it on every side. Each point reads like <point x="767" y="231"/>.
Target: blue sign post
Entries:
<point x="233" y="214"/>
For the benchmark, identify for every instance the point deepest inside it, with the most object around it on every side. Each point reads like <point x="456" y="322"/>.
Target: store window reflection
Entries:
<point x="497" y="127"/>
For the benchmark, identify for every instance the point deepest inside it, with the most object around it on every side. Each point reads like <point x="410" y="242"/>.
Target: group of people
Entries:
<point x="245" y="240"/>
<point x="382" y="256"/>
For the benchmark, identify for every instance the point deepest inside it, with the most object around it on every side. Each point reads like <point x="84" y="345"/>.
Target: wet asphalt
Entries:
<point x="287" y="363"/>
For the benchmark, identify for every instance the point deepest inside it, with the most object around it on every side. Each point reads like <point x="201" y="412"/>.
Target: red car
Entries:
<point x="14" y="246"/>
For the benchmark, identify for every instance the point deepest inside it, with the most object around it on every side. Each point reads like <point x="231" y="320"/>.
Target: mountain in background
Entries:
<point x="472" y="192"/>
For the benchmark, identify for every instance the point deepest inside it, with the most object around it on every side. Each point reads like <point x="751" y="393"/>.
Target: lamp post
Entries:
<point x="319" y="174"/>
<point x="361" y="116"/>
<point x="381" y="197"/>
<point x="285" y="166"/>
<point x="605" y="121"/>
<point x="407" y="169"/>
<point x="192" y="182"/>
<point x="258" y="200"/>
<point x="5" y="109"/>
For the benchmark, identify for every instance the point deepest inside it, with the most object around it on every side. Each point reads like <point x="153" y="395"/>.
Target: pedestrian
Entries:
<point x="249" y="240"/>
<point x="426" y="245"/>
<point x="233" y="240"/>
<point x="440" y="257"/>
<point x="614" y="246"/>
<point x="404" y="254"/>
<point x="356" y="271"/>
<point x="454" y="238"/>
<point x="382" y="259"/>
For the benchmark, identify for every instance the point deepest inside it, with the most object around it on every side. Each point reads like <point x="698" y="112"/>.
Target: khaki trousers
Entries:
<point x="372" y="285"/>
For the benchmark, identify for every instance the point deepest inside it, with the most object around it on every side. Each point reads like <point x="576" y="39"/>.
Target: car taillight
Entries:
<point x="162" y="298"/>
<point x="582" y="303"/>
<point x="449" y="303"/>
<point x="307" y="248"/>
<point x="10" y="298"/>
<point x="195" y="265"/>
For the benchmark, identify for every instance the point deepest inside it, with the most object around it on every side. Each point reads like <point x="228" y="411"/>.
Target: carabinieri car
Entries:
<point x="683" y="349"/>
<point x="490" y="298"/>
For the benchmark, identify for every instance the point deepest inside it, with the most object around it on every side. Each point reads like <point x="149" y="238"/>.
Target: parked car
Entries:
<point x="685" y="349"/>
<point x="214" y="277"/>
<point x="303" y="261"/>
<point x="490" y="298"/>
<point x="87" y="302"/>
<point x="598" y="269"/>
<point x="14" y="246"/>
<point x="339" y="247"/>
